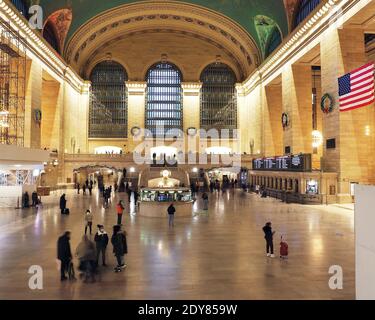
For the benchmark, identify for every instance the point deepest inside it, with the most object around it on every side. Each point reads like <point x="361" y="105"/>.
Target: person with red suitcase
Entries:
<point x="283" y="249"/>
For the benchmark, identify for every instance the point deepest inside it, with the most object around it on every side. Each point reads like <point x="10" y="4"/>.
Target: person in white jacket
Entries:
<point x="88" y="219"/>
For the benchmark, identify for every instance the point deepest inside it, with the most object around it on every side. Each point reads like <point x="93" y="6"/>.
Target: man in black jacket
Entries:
<point x="268" y="235"/>
<point x="62" y="204"/>
<point x="64" y="253"/>
<point x="101" y="240"/>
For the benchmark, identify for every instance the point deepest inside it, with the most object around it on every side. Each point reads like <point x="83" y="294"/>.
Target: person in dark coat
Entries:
<point x="84" y="188"/>
<point x="171" y="211"/>
<point x="268" y="235"/>
<point x="64" y="253"/>
<point x="34" y="199"/>
<point x="120" y="247"/>
<point x="26" y="200"/>
<point x="101" y="241"/>
<point x="62" y="204"/>
<point x="90" y="189"/>
<point x="78" y="187"/>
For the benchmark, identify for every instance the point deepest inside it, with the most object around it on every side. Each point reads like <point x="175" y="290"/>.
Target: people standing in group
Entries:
<point x="86" y="255"/>
<point x="62" y="204"/>
<point x="101" y="240"/>
<point x="120" y="247"/>
<point x="64" y="254"/>
<point x="205" y="201"/>
<point x="268" y="235"/>
<point x="171" y="212"/>
<point x="120" y="210"/>
<point x="88" y="219"/>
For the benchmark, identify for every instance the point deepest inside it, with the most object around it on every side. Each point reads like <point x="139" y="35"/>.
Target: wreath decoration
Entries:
<point x="327" y="104"/>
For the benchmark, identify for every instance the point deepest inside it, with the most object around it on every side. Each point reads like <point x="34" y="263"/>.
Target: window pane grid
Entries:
<point x="108" y="105"/>
<point x="218" y="98"/>
<point x="163" y="100"/>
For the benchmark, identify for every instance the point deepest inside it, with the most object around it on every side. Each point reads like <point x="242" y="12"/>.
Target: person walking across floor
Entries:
<point x="101" y="240"/>
<point x="120" y="247"/>
<point x="62" y="204"/>
<point x="64" y="253"/>
<point x="268" y="235"/>
<point x="171" y="212"/>
<point x="90" y="188"/>
<point x="86" y="255"/>
<point x="88" y="219"/>
<point x="120" y="211"/>
<point x="84" y="188"/>
<point x="78" y="187"/>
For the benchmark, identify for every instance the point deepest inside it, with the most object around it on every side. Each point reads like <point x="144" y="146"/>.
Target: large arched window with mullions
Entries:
<point x="218" y="107"/>
<point x="163" y="114"/>
<point x="304" y="8"/>
<point x="108" y="116"/>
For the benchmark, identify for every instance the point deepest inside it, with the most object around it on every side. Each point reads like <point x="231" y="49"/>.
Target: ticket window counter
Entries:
<point x="155" y="202"/>
<point x="312" y="187"/>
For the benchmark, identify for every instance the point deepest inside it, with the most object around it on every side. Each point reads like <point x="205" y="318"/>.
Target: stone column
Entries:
<point x="32" y="133"/>
<point x="296" y="96"/>
<point x="272" y="127"/>
<point x="342" y="51"/>
<point x="136" y="109"/>
<point x="191" y="112"/>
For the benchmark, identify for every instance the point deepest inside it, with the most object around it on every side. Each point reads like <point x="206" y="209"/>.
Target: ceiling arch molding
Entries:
<point x="167" y="15"/>
<point x="99" y="53"/>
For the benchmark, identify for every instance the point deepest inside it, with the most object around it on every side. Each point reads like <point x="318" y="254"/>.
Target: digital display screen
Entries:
<point x="300" y="163"/>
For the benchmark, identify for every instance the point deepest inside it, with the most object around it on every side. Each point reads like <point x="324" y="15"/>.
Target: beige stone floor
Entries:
<point x="220" y="256"/>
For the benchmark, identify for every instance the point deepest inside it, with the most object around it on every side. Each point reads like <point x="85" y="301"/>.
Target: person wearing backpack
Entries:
<point x="171" y="211"/>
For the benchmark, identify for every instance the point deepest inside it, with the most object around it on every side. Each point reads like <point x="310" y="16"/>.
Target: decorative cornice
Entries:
<point x="136" y="88"/>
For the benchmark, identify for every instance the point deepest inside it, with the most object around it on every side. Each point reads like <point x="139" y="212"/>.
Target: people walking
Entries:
<point x="78" y="187"/>
<point x="101" y="241"/>
<point x="171" y="212"/>
<point x="120" y="210"/>
<point x="84" y="188"/>
<point x="268" y="235"/>
<point x="86" y="255"/>
<point x="88" y="218"/>
<point x="64" y="253"/>
<point x="62" y="204"/>
<point x="120" y="247"/>
<point x="90" y="188"/>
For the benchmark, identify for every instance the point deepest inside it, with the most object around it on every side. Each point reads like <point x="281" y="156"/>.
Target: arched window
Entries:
<point x="304" y="9"/>
<point x="22" y="7"/>
<point x="49" y="34"/>
<point x="273" y="41"/>
<point x="108" y="105"/>
<point x="218" y="98"/>
<point x="164" y="100"/>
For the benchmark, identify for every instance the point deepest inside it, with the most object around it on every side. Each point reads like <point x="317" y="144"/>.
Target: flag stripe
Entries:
<point x="356" y="93"/>
<point x="370" y="64"/>
<point x="363" y="84"/>
<point x="367" y="95"/>
<point x="363" y="71"/>
<point x="363" y="78"/>
<point x="356" y="106"/>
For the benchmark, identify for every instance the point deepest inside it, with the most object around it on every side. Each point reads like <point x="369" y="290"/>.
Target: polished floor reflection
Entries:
<point x="215" y="256"/>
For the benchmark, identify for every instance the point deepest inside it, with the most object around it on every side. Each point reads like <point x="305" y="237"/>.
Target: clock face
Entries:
<point x="135" y="131"/>
<point x="191" y="131"/>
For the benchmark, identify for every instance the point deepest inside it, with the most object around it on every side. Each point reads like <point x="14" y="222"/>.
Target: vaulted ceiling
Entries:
<point x="241" y="11"/>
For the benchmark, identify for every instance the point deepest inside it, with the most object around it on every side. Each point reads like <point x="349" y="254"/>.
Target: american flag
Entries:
<point x="356" y="89"/>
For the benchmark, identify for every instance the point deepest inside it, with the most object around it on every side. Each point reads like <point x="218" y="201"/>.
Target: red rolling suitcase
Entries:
<point x="284" y="249"/>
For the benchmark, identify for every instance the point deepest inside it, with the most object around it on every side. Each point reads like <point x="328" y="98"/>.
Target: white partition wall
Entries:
<point x="365" y="242"/>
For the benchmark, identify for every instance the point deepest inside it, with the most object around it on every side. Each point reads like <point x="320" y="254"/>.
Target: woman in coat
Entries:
<point x="62" y="204"/>
<point x="120" y="247"/>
